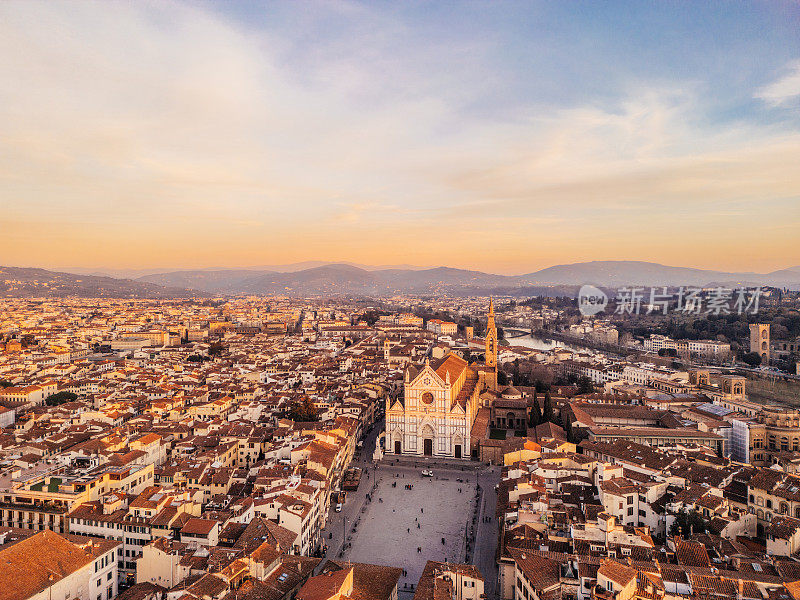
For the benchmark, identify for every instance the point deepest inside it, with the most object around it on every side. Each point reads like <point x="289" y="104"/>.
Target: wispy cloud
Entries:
<point x="784" y="90"/>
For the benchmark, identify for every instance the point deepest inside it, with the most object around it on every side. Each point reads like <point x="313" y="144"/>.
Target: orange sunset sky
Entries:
<point x="500" y="137"/>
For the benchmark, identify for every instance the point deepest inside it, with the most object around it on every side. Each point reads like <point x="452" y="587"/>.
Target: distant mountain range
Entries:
<point x="614" y="273"/>
<point x="287" y="268"/>
<point x="348" y="279"/>
<point x="20" y="282"/>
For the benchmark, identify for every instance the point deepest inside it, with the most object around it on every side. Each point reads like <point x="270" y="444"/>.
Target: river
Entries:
<point x="537" y="343"/>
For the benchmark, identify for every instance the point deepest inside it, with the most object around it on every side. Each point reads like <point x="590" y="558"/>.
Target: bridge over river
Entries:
<point x="514" y="332"/>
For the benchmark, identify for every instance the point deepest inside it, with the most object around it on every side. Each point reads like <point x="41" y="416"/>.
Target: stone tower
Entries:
<point x="491" y="346"/>
<point x="759" y="341"/>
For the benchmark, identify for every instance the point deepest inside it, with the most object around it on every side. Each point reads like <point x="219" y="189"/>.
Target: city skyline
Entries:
<point x="502" y="138"/>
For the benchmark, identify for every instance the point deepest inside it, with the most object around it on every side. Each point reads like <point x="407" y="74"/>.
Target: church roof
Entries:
<point x="452" y="364"/>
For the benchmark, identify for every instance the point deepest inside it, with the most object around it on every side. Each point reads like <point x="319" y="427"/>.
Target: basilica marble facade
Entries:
<point x="441" y="398"/>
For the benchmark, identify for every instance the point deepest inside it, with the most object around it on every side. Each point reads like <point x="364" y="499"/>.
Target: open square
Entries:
<point x="390" y="531"/>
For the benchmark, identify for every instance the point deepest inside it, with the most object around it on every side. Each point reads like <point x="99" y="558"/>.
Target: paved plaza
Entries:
<point x="390" y="532"/>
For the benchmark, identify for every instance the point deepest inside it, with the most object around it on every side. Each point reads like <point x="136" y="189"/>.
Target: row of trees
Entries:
<point x="732" y="328"/>
<point x="540" y="415"/>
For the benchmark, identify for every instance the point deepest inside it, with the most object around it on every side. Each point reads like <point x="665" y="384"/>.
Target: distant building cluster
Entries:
<point x="201" y="450"/>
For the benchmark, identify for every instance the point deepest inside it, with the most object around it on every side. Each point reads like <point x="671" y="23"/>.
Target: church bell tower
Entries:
<point x="491" y="346"/>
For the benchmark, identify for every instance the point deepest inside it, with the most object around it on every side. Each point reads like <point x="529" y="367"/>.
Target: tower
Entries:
<point x="491" y="345"/>
<point x="759" y="341"/>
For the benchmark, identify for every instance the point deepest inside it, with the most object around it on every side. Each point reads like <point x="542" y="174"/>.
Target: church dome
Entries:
<point x="511" y="393"/>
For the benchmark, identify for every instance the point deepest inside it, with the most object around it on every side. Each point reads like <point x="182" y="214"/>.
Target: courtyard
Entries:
<point x="398" y="521"/>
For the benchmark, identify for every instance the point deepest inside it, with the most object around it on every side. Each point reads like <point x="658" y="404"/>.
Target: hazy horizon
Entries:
<point x="124" y="272"/>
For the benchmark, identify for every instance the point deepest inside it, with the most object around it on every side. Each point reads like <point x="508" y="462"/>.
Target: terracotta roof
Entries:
<point x="617" y="572"/>
<point x="32" y="565"/>
<point x="691" y="554"/>
<point x="370" y="582"/>
<point x="325" y="586"/>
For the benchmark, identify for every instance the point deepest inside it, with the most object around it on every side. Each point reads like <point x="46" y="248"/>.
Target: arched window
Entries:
<point x="769" y="503"/>
<point x="784" y="508"/>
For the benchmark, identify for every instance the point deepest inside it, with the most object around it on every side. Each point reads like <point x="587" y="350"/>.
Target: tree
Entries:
<point x="688" y="523"/>
<point x="303" y="411"/>
<point x="585" y="385"/>
<point x="502" y="378"/>
<point x="547" y="414"/>
<point x="478" y="327"/>
<point x="536" y="413"/>
<point x="752" y="358"/>
<point x="668" y="352"/>
<point x="4" y="383"/>
<point x="566" y="424"/>
<point x="60" y="398"/>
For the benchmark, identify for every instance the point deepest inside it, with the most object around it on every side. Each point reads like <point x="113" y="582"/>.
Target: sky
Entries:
<point x="499" y="136"/>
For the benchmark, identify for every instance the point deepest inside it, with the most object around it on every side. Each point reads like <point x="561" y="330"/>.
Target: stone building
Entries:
<point x="759" y="340"/>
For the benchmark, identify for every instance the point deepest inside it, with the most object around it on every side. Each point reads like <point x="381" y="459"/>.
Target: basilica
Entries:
<point x="441" y="398"/>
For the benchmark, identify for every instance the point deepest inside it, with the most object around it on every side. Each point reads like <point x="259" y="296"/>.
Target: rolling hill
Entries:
<point x="349" y="279"/>
<point x="22" y="282"/>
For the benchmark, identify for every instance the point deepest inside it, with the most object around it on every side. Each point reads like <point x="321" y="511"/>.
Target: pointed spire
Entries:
<point x="491" y="306"/>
